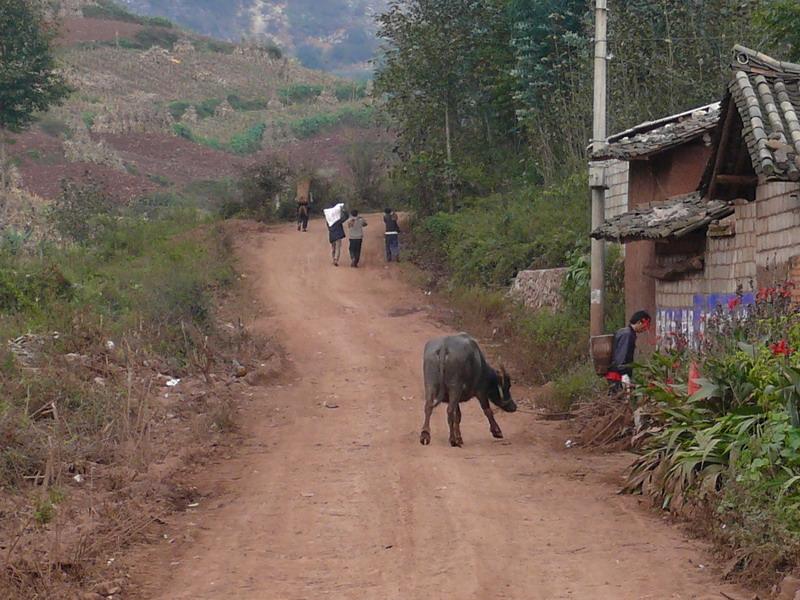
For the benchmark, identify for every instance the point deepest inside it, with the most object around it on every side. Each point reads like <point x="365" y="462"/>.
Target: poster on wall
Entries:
<point x="676" y="327"/>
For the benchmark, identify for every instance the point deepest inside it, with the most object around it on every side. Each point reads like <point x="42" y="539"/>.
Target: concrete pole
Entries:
<point x="596" y="171"/>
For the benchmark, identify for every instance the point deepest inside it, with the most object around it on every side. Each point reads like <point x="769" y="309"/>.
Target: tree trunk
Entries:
<point x="450" y="200"/>
<point x="3" y="179"/>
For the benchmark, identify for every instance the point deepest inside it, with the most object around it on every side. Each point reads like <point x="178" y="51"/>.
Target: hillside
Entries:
<point x="335" y="35"/>
<point x="157" y="107"/>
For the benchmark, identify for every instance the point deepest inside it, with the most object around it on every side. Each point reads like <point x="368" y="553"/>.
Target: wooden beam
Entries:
<point x="727" y="179"/>
<point x="723" y="142"/>
<point x="676" y="270"/>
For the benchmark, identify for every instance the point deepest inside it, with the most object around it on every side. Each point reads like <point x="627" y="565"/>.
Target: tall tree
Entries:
<point x="29" y="81"/>
<point x="553" y="61"/>
<point x="445" y="80"/>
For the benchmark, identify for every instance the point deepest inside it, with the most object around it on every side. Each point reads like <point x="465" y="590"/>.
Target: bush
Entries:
<point x="491" y="239"/>
<point x="299" y="92"/>
<point x="178" y="108"/>
<point x="347" y="92"/>
<point x="259" y="186"/>
<point x="731" y="447"/>
<point x="182" y="130"/>
<point x="212" y="45"/>
<point x="155" y="36"/>
<point x="88" y="119"/>
<point x="82" y="211"/>
<point x="207" y="107"/>
<point x="310" y="126"/>
<point x="249" y="141"/>
<point x="244" y="105"/>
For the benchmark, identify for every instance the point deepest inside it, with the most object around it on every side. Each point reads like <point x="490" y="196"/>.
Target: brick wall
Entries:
<point x="617" y="192"/>
<point x="777" y="229"/>
<point x="730" y="265"/>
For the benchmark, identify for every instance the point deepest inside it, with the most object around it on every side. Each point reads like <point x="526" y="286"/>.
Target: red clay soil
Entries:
<point x="76" y="30"/>
<point x="45" y="180"/>
<point x="175" y="158"/>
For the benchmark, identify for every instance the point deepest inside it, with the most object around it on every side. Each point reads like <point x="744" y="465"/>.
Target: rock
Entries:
<point x="107" y="588"/>
<point x="789" y="588"/>
<point x="91" y="596"/>
<point x="239" y="369"/>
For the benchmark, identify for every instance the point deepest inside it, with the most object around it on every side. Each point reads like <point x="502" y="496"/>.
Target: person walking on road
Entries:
<point x="623" y="350"/>
<point x="336" y="235"/>
<point x="355" y="227"/>
<point x="392" y="235"/>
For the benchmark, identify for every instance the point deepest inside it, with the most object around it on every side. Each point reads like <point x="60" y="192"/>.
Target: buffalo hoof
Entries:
<point x="457" y="443"/>
<point x="498" y="434"/>
<point x="425" y="438"/>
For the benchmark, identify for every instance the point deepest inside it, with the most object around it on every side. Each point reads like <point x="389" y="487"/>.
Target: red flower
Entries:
<point x="781" y="348"/>
<point x="734" y="302"/>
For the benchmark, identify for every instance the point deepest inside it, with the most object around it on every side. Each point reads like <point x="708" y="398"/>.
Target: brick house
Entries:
<point x="648" y="164"/>
<point x="740" y="230"/>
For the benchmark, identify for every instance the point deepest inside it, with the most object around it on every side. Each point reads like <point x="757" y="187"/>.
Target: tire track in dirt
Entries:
<point x="344" y="503"/>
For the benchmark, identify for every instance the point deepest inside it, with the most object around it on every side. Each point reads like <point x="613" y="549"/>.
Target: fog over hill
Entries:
<point x="335" y="35"/>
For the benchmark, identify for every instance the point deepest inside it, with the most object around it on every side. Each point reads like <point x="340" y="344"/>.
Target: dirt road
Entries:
<point x="344" y="503"/>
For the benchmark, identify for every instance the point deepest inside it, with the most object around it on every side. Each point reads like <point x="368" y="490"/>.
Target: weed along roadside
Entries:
<point x="123" y="332"/>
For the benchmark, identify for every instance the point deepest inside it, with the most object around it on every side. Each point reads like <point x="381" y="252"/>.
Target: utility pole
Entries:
<point x="597" y="170"/>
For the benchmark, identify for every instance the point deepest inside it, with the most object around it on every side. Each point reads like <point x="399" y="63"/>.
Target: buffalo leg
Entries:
<point x="425" y="435"/>
<point x="452" y="407"/>
<point x="459" y="440"/>
<point x="487" y="410"/>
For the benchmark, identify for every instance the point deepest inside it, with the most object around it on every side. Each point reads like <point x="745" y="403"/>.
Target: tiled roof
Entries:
<point x="672" y="219"/>
<point x="653" y="137"/>
<point x="767" y="95"/>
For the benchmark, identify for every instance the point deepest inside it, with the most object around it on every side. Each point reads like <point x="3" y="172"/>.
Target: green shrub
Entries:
<point x="244" y="105"/>
<point x="182" y="130"/>
<point x="299" y="92"/>
<point x="249" y="141"/>
<point x="580" y="383"/>
<point x="207" y="107"/>
<point x="489" y="241"/>
<point x="88" y="119"/>
<point x="178" y="108"/>
<point x="212" y="45"/>
<point x="348" y="116"/>
<point x="155" y="36"/>
<point x="350" y="91"/>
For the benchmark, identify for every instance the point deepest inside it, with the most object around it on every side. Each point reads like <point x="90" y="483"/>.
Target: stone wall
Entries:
<point x="539" y="289"/>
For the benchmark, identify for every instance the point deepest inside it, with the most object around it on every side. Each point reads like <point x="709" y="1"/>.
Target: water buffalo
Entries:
<point x="455" y="371"/>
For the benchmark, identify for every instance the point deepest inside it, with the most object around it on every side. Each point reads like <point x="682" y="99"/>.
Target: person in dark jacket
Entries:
<point x="336" y="235"/>
<point x="624" y="349"/>
<point x="392" y="235"/>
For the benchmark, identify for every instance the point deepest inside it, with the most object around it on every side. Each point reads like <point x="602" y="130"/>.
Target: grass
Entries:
<point x="145" y="282"/>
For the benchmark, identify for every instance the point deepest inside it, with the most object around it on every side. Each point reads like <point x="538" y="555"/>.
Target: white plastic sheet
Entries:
<point x="333" y="214"/>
